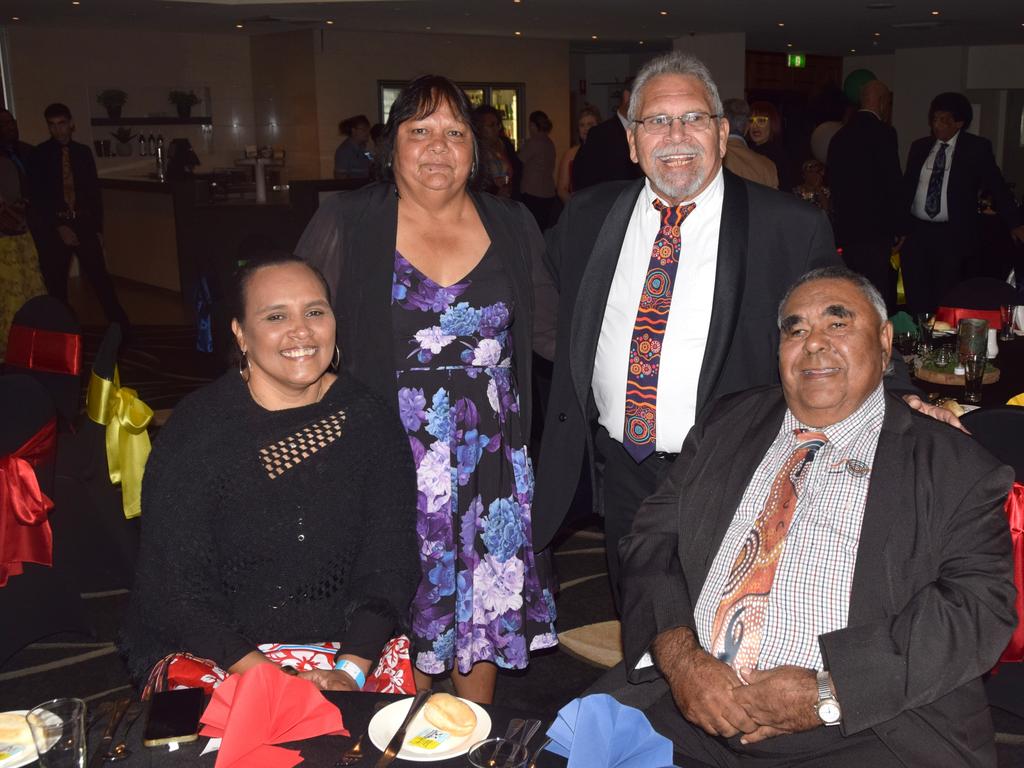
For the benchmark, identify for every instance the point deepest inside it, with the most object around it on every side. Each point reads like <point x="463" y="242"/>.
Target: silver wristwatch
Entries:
<point x="828" y="707"/>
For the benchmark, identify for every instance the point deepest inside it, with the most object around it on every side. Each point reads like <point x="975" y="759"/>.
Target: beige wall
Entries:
<point x="71" y="65"/>
<point x="284" y="87"/>
<point x="349" y="65"/>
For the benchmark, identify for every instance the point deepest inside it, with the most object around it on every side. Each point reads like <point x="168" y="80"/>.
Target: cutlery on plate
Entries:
<point x="118" y="712"/>
<point x="536" y="755"/>
<point x="395" y="745"/>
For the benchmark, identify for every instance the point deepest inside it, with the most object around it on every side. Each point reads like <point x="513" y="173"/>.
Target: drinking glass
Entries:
<point x="924" y="326"/>
<point x="500" y="753"/>
<point x="1006" y="313"/>
<point x="904" y="342"/>
<point x="974" y="372"/>
<point x="972" y="337"/>
<point x="58" y="730"/>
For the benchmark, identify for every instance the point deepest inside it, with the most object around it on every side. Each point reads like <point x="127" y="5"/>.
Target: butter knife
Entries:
<point x="395" y="745"/>
<point x="118" y="712"/>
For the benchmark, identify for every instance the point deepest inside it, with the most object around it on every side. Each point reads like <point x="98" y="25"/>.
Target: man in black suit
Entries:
<point x="822" y="556"/>
<point x="866" y="182"/>
<point x="66" y="213"/>
<point x="604" y="156"/>
<point x="945" y="174"/>
<point x="739" y="248"/>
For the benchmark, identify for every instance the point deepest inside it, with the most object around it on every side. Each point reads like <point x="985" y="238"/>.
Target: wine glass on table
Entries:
<point x="1006" y="314"/>
<point x="924" y="338"/>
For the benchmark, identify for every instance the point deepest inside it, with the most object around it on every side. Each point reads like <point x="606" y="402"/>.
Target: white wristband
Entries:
<point x="352" y="670"/>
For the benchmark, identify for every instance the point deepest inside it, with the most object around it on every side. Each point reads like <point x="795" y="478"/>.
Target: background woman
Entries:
<point x="501" y="172"/>
<point x="765" y="135"/>
<point x="589" y="117"/>
<point x="538" y="159"/>
<point x="435" y="311"/>
<point x="277" y="504"/>
<point x="352" y="158"/>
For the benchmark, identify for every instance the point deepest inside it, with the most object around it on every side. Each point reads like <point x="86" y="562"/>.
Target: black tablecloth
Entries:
<point x="1010" y="363"/>
<point x="356" y="708"/>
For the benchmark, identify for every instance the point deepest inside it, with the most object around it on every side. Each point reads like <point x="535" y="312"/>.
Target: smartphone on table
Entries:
<point x="173" y="717"/>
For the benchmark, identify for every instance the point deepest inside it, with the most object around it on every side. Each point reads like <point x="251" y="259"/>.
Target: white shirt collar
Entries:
<point x="951" y="142"/>
<point x="872" y="112"/>
<point x="712" y="190"/>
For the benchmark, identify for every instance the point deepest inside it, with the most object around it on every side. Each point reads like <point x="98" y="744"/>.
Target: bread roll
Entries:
<point x="941" y="325"/>
<point x="953" y="407"/>
<point x="14" y="730"/>
<point x="449" y="714"/>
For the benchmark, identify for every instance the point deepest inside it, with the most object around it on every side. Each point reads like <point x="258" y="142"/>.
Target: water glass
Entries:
<point x="498" y="753"/>
<point x="974" y="372"/>
<point x="972" y="337"/>
<point x="924" y="326"/>
<point x="904" y="343"/>
<point x="58" y="730"/>
<point x="1006" y="313"/>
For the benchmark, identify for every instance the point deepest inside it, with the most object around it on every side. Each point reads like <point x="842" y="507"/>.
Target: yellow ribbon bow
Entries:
<point x="126" y="417"/>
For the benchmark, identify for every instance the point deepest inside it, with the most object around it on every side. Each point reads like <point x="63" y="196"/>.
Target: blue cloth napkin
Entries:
<point x="599" y="732"/>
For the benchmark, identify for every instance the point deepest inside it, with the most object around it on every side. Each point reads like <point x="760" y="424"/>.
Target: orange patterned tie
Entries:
<point x="68" y="177"/>
<point x="743" y="610"/>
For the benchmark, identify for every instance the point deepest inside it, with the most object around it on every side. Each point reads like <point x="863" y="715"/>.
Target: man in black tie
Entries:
<point x="945" y="173"/>
<point x="604" y="156"/>
<point x="66" y="213"/>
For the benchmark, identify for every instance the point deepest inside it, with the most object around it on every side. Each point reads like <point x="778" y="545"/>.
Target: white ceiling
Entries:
<point x="813" y="26"/>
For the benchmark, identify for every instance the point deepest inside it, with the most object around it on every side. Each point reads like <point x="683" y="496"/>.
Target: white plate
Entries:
<point x="942" y="334"/>
<point x="969" y="408"/>
<point x="28" y="755"/>
<point x="385" y="724"/>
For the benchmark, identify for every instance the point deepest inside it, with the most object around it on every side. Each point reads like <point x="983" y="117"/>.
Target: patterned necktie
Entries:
<point x="68" y="177"/>
<point x="639" y="432"/>
<point x="933" y="200"/>
<point x="743" y="610"/>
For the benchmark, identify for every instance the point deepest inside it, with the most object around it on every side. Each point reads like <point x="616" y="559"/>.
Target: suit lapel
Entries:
<point x="730" y="272"/>
<point x="592" y="296"/>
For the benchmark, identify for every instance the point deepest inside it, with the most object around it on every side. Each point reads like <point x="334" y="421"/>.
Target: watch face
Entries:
<point x="829" y="712"/>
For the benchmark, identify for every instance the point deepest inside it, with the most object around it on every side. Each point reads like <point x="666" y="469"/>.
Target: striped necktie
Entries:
<point x="743" y="610"/>
<point x="639" y="432"/>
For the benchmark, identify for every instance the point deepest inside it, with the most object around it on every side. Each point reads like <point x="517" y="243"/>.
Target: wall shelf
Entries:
<point x="152" y="121"/>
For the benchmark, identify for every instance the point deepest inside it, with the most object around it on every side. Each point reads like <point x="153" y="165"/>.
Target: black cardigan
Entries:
<point x="352" y="238"/>
<point x="232" y="557"/>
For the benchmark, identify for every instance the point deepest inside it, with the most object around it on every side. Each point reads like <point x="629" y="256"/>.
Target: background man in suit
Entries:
<point x="604" y="156"/>
<point x="945" y="173"/>
<point x="866" y="181"/>
<point x="66" y="213"/>
<point x="739" y="158"/>
<point x="661" y="311"/>
<point x="779" y="578"/>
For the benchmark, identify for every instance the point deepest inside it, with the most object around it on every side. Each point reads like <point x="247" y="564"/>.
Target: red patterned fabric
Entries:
<point x="46" y="351"/>
<point x="393" y="673"/>
<point x="1015" y="513"/>
<point x="953" y="315"/>
<point x="25" y="535"/>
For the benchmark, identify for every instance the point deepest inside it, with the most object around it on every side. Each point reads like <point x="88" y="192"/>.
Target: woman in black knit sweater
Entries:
<point x="279" y="502"/>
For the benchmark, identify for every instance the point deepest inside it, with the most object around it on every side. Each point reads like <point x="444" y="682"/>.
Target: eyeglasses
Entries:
<point x="691" y="121"/>
<point x="759" y="120"/>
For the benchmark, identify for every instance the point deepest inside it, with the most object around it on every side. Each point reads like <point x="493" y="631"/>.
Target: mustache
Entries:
<point x="678" y="149"/>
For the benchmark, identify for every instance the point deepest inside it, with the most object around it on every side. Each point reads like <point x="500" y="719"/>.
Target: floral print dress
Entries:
<point x="481" y="596"/>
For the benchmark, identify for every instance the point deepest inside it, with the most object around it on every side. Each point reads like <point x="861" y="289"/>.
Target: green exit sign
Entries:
<point x="796" y="60"/>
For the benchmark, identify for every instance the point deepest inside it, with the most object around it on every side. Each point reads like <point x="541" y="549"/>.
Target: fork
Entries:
<point x="353" y="754"/>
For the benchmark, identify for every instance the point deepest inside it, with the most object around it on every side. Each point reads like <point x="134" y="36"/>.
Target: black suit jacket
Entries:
<point x="971" y="169"/>
<point x="604" y="156"/>
<point x="767" y="240"/>
<point x="865" y="179"/>
<point x="931" y="605"/>
<point x="351" y="240"/>
<point x="46" y="188"/>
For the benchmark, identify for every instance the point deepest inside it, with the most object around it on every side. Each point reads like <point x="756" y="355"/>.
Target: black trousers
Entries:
<point x="870" y="257"/>
<point x="622" y="486"/>
<point x="932" y="259"/>
<point x="55" y="261"/>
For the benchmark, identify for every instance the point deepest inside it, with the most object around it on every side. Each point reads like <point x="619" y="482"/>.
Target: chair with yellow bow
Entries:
<point x="39" y="593"/>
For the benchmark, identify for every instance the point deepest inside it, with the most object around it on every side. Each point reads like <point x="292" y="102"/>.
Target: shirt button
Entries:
<point x="562" y="417"/>
<point x="301" y="537"/>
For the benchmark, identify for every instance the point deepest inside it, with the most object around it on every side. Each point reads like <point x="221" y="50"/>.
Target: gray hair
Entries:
<point x="737" y="112"/>
<point x="674" y="63"/>
<point x="865" y="286"/>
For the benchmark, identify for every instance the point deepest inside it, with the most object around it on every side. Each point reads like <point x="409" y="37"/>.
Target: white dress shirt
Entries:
<point x="926" y="174"/>
<point x="686" y="332"/>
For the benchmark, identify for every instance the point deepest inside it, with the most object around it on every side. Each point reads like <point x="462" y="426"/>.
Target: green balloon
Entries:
<point x="855" y="81"/>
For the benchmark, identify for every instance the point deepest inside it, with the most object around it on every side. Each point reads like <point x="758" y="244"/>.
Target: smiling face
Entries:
<point x="833" y="350"/>
<point x="433" y="153"/>
<point x="287" y="332"/>
<point x="681" y="162"/>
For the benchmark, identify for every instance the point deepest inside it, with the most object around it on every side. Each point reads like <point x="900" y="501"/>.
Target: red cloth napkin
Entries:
<point x="264" y="706"/>
<point x="1015" y="512"/>
<point x="953" y="316"/>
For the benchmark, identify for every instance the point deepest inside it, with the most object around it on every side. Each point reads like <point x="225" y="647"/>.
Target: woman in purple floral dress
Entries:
<point x="434" y="288"/>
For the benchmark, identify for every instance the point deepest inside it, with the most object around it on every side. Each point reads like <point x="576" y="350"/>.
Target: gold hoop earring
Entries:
<point x="243" y="367"/>
<point x="336" y="360"/>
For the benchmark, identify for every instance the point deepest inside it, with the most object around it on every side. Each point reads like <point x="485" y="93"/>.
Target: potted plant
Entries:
<point x="113" y="100"/>
<point x="184" y="101"/>
<point x="124" y="138"/>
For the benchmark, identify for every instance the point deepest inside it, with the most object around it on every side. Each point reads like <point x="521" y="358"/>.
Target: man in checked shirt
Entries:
<point x="820" y="555"/>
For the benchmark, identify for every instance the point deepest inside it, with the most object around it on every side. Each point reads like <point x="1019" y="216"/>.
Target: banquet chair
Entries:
<point x="1001" y="431"/>
<point x="41" y="595"/>
<point x="978" y="297"/>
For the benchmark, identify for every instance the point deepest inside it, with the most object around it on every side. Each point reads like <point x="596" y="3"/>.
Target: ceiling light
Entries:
<point x="76" y="2"/>
<point x="935" y="13"/>
<point x="782" y="24"/>
<point x="15" y="18"/>
<point x="789" y="45"/>
<point x="663" y="13"/>
<point x="239" y="26"/>
<point x="330" y="21"/>
<point x="853" y="50"/>
<point x="518" y="34"/>
<point x="517" y="1"/>
<point x="427" y="28"/>
<point x="878" y="34"/>
<point x="642" y="42"/>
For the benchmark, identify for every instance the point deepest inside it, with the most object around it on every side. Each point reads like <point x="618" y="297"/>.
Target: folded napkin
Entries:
<point x="903" y="323"/>
<point x="599" y="732"/>
<point x="1016" y="399"/>
<point x="264" y="706"/>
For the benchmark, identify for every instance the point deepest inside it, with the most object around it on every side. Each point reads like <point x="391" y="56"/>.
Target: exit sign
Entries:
<point x="796" y="60"/>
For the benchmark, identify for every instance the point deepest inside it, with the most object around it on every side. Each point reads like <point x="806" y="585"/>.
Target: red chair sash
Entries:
<point x="1015" y="512"/>
<point x="25" y="535"/>
<point x="47" y="351"/>
<point x="953" y="315"/>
